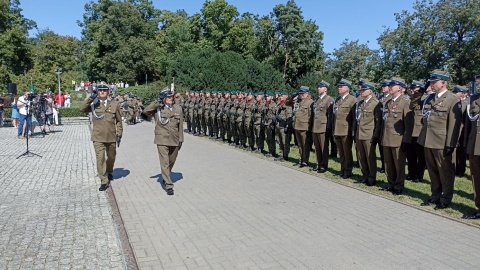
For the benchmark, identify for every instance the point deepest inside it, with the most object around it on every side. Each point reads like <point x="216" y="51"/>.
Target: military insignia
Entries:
<point x="439" y="104"/>
<point x="459" y="105"/>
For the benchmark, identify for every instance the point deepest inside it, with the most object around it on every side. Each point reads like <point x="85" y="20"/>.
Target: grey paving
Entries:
<point x="232" y="210"/>
<point x="52" y="215"/>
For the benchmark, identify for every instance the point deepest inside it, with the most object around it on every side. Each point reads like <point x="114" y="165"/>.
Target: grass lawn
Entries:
<point x="414" y="193"/>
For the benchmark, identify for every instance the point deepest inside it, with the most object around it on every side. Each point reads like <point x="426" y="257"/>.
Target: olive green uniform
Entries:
<point x="472" y="141"/>
<point x="248" y="122"/>
<point x="283" y="130"/>
<point x="270" y="124"/>
<point x="168" y="136"/>
<point x="322" y="127"/>
<point x="441" y="129"/>
<point x="302" y="123"/>
<point x="106" y="127"/>
<point x="343" y="131"/>
<point x="258" y="125"/>
<point x="416" y="153"/>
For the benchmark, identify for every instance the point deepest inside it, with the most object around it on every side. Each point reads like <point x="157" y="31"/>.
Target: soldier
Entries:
<point x="473" y="147"/>
<point x="107" y="130"/>
<point x="383" y="98"/>
<point x="168" y="133"/>
<point x="207" y="112"/>
<point x="258" y="122"/>
<point x="283" y="130"/>
<point x="130" y="110"/>
<point x="460" y="155"/>
<point x="322" y="126"/>
<point x="343" y="126"/>
<point x="368" y="116"/>
<point x="270" y="124"/>
<point x="200" y="115"/>
<point x="187" y="111"/>
<point x="303" y="116"/>
<point x="248" y="111"/>
<point x="442" y="116"/>
<point x="228" y="117"/>
<point x="396" y="135"/>
<point x="239" y="107"/>
<point x="416" y="155"/>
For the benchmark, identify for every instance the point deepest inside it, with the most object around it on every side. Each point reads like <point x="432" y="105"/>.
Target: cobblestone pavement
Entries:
<point x="52" y="215"/>
<point x="232" y="210"/>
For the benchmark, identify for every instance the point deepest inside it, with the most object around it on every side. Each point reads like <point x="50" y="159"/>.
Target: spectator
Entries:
<point x="49" y="111"/>
<point x="1" y="112"/>
<point x="67" y="100"/>
<point x="15" y="114"/>
<point x="60" y="100"/>
<point x="23" y="105"/>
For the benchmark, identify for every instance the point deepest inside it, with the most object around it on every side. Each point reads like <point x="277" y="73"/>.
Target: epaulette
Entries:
<point x="405" y="97"/>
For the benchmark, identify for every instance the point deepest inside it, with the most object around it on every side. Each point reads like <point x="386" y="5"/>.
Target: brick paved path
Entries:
<point x="51" y="213"/>
<point x="232" y="210"/>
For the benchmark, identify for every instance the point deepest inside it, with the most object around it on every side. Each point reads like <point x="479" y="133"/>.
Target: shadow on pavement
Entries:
<point x="120" y="173"/>
<point x="175" y="176"/>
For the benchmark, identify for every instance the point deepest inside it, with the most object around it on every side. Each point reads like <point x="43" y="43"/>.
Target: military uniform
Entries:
<point x="396" y="138"/>
<point x="416" y="153"/>
<point x="240" y="138"/>
<point x="248" y="111"/>
<point x="283" y="130"/>
<point x="439" y="137"/>
<point x="472" y="141"/>
<point x="322" y="127"/>
<point x="302" y="124"/>
<point x="259" y="123"/>
<point x="460" y="155"/>
<point x="107" y="125"/>
<point x="168" y="135"/>
<point x="201" y="117"/>
<point x="270" y="124"/>
<point x="343" y="130"/>
<point x="368" y="116"/>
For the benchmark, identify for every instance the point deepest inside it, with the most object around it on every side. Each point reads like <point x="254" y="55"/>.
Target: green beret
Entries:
<point x="345" y="82"/>
<point x="439" y="75"/>
<point x="284" y="93"/>
<point x="259" y="93"/>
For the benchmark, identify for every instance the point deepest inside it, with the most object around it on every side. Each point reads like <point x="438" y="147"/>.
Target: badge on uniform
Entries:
<point x="459" y="105"/>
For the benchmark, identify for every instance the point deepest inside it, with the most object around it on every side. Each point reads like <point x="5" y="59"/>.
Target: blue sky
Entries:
<point x="337" y="19"/>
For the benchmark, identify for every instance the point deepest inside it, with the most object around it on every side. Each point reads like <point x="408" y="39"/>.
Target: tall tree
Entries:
<point x="217" y="18"/>
<point x="119" y="38"/>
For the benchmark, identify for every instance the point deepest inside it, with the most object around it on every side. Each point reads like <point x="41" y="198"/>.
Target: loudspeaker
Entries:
<point x="12" y="89"/>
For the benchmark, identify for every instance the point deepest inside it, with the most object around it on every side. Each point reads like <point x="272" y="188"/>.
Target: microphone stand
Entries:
<point x="29" y="117"/>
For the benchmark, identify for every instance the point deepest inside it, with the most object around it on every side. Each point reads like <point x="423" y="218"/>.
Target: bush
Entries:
<point x="7" y="113"/>
<point x="146" y="94"/>
<point x="71" y="112"/>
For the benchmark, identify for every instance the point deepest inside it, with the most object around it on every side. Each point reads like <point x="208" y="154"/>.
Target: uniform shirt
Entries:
<point x="322" y="111"/>
<point x="303" y="115"/>
<point x="109" y="125"/>
<point x="168" y="123"/>
<point x="343" y="115"/>
<point x="368" y="117"/>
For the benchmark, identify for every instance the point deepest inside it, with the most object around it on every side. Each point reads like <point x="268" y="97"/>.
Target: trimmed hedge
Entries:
<point x="64" y="113"/>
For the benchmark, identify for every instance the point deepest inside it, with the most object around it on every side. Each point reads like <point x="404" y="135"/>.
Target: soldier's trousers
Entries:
<point x="303" y="145"/>
<point x="168" y="156"/>
<point x="344" y="146"/>
<point x="284" y="136"/>
<point x="105" y="166"/>
<point x="416" y="160"/>
<point x="198" y="126"/>
<point x="367" y="158"/>
<point x="395" y="160"/>
<point x="382" y="158"/>
<point x="270" y="137"/>
<point x="249" y="135"/>
<point x="240" y="138"/>
<point x="224" y="129"/>
<point x="189" y="122"/>
<point x="442" y="174"/>
<point x="475" y="171"/>
<point x="203" y="124"/>
<point x="259" y="136"/>
<point x="320" y="141"/>
<point x="460" y="160"/>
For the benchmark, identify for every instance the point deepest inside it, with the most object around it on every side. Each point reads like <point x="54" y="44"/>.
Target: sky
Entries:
<point x="338" y="19"/>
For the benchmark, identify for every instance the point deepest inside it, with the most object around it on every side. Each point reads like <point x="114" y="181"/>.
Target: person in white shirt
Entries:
<point x="67" y="100"/>
<point x="23" y="105"/>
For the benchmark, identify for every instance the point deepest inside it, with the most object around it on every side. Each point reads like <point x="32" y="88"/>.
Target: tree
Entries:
<point x="240" y="37"/>
<point x="15" y="53"/>
<point x="119" y="37"/>
<point x="217" y="18"/>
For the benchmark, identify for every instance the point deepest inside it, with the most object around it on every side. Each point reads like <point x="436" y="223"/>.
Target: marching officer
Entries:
<point x="107" y="130"/>
<point x="342" y="126"/>
<point x="416" y="155"/>
<point x="303" y="115"/>
<point x="473" y="147"/>
<point x="168" y="133"/>
<point x="396" y="135"/>
<point x="368" y="116"/>
<point x="442" y="116"/>
<point x="322" y="126"/>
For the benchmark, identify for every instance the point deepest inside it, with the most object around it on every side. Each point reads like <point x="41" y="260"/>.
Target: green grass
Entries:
<point x="414" y="193"/>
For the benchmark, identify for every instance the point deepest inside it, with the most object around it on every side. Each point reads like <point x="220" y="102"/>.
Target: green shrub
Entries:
<point x="7" y="113"/>
<point x="71" y="112"/>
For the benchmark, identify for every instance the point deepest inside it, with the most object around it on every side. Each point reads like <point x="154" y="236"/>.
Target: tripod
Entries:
<point x="29" y="118"/>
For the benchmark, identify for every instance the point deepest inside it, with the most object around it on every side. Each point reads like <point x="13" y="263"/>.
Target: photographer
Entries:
<point x="23" y="105"/>
<point x="40" y="111"/>
<point x="168" y="133"/>
<point x="107" y="130"/>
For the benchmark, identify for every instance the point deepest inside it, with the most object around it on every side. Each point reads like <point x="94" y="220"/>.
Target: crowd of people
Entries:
<point x="422" y="124"/>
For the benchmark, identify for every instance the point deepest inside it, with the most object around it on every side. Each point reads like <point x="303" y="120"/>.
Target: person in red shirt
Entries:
<point x="60" y="100"/>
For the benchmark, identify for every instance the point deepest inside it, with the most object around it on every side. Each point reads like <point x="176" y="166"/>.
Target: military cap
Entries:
<point x="361" y="81"/>
<point x="345" y="82"/>
<point x="103" y="87"/>
<point x="416" y="84"/>
<point x="165" y="93"/>
<point x="397" y="81"/>
<point x="385" y="82"/>
<point x="439" y="75"/>
<point x="303" y="89"/>
<point x="323" y="84"/>
<point x="460" y="88"/>
<point x="227" y="93"/>
<point x="269" y="94"/>
<point x="477" y="76"/>
<point x="259" y="93"/>
<point x="368" y="85"/>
